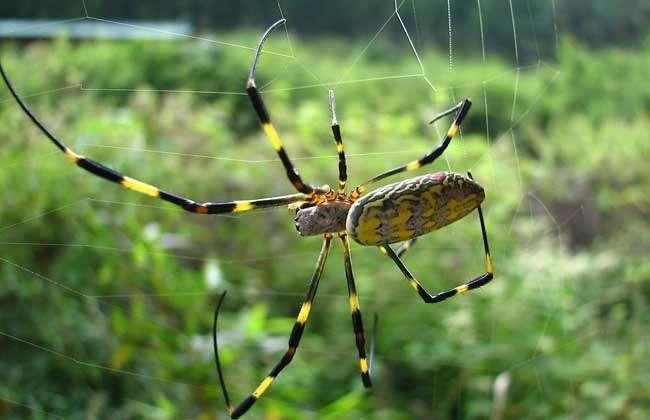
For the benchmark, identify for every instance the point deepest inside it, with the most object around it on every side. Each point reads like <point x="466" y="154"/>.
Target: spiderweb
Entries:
<point x="168" y="239"/>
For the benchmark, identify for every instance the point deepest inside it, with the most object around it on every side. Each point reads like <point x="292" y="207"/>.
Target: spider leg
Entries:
<point x="357" y="323"/>
<point x="294" y="340"/>
<point x="475" y="283"/>
<point x="112" y="175"/>
<point x="336" y="131"/>
<point x="462" y="108"/>
<point x="267" y="126"/>
<point x="406" y="245"/>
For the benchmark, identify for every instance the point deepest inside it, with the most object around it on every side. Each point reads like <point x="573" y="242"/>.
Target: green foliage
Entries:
<point x="107" y="297"/>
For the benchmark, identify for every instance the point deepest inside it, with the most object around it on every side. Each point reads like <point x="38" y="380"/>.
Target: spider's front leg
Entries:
<point x="267" y="126"/>
<point x="336" y="131"/>
<point x="294" y="340"/>
<point x="461" y="112"/>
<point x="426" y="296"/>
<point x="100" y="170"/>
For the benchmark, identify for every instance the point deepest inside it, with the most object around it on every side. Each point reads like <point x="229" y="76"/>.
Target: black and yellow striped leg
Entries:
<point x="267" y="126"/>
<point x="406" y="245"/>
<point x="187" y="204"/>
<point x="357" y="323"/>
<point x="294" y="340"/>
<point x="462" y="108"/>
<point x="475" y="283"/>
<point x="112" y="175"/>
<point x="336" y="131"/>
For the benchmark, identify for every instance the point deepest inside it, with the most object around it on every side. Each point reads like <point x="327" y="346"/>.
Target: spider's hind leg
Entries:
<point x="406" y="245"/>
<point x="475" y="283"/>
<point x="267" y="126"/>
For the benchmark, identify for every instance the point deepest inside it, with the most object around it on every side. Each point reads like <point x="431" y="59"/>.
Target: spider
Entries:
<point x="398" y="212"/>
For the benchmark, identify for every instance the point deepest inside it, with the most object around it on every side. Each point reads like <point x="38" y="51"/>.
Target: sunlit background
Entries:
<point x="107" y="296"/>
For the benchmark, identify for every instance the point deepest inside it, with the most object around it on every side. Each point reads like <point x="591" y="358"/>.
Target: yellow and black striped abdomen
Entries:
<point x="413" y="207"/>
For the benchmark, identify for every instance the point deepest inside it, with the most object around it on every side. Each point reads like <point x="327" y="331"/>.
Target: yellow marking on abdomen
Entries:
<point x="242" y="206"/>
<point x="304" y="312"/>
<point x="272" y="135"/>
<point x="266" y="383"/>
<point x="366" y="228"/>
<point x="414" y="284"/>
<point x="139" y="186"/>
<point x="363" y="364"/>
<point x="339" y="147"/>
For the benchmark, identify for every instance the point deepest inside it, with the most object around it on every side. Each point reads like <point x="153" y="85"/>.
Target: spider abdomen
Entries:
<point x="327" y="217"/>
<point x="413" y="207"/>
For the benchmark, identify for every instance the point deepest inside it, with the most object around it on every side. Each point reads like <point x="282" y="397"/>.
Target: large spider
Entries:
<point x="398" y="212"/>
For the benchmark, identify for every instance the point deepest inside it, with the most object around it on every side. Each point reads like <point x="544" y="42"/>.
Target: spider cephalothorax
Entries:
<point x="327" y="217"/>
<point x="401" y="211"/>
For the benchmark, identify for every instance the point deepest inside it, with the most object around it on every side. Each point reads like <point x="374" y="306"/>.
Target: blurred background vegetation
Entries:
<point x="107" y="297"/>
